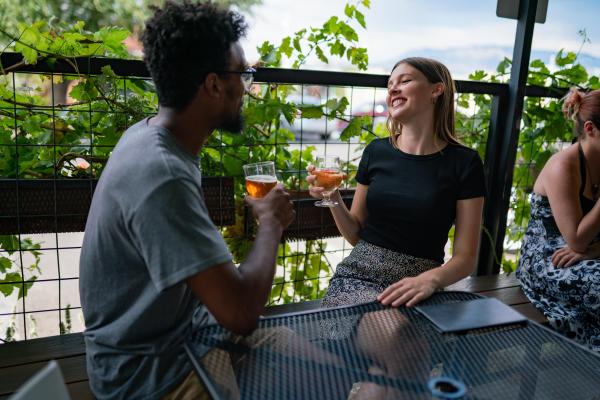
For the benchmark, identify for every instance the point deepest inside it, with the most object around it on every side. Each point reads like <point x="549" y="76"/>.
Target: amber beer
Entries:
<point x="260" y="185"/>
<point x="330" y="179"/>
<point x="260" y="178"/>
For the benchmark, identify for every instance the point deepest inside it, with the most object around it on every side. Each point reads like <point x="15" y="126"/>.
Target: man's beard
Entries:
<point x="235" y="124"/>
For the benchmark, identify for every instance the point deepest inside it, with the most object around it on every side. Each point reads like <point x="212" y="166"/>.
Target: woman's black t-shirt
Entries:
<point x="411" y="199"/>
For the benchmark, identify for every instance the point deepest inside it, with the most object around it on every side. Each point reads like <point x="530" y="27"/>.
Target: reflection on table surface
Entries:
<point x="369" y="351"/>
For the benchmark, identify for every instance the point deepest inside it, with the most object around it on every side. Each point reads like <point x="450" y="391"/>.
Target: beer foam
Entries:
<point x="262" y="178"/>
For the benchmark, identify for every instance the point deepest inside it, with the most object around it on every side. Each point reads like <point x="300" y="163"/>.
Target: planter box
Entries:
<point x="311" y="222"/>
<point x="42" y="206"/>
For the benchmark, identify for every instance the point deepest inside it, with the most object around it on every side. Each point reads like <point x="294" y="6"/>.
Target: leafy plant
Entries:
<point x="12" y="268"/>
<point x="336" y="36"/>
<point x="74" y="139"/>
<point x="129" y="14"/>
<point x="543" y="130"/>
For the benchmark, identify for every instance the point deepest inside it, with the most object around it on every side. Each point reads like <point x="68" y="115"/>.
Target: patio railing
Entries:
<point x="59" y="252"/>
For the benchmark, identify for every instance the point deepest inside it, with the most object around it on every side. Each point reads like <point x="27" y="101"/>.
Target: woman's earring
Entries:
<point x="433" y="99"/>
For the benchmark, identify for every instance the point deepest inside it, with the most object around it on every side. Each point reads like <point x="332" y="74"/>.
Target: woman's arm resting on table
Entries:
<point x="410" y="291"/>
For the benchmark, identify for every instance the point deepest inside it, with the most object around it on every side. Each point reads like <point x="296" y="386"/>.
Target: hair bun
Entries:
<point x="572" y="103"/>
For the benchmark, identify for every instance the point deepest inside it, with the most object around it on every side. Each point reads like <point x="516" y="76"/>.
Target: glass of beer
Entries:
<point x="260" y="178"/>
<point x="329" y="176"/>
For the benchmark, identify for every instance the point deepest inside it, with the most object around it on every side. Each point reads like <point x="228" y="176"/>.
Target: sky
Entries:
<point x="466" y="35"/>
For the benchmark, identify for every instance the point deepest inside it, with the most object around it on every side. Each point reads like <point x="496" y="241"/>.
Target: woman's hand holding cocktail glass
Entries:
<point x="324" y="179"/>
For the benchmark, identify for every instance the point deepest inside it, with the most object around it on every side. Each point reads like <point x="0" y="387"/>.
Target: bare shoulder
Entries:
<point x="561" y="168"/>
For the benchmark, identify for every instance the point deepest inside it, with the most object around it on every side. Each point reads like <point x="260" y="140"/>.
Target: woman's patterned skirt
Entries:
<point x="367" y="271"/>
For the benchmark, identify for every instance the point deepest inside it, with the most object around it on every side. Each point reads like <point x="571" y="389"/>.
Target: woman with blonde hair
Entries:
<point x="559" y="266"/>
<point x="412" y="187"/>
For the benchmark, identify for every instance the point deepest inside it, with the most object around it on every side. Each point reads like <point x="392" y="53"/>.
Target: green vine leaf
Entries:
<point x="594" y="83"/>
<point x="29" y="38"/>
<point x="9" y="283"/>
<point x="503" y="66"/>
<point x="355" y="127"/>
<point x="321" y="55"/>
<point x="5" y="264"/>
<point x="478" y="75"/>
<point x="336" y="107"/>
<point x="312" y="112"/>
<point x="25" y="286"/>
<point x="285" y="47"/>
<point x="9" y="243"/>
<point x="566" y="59"/>
<point x="574" y="74"/>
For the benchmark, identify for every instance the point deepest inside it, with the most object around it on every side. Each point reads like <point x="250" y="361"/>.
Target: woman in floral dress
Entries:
<point x="559" y="266"/>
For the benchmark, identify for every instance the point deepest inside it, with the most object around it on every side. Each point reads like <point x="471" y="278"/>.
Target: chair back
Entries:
<point x="45" y="384"/>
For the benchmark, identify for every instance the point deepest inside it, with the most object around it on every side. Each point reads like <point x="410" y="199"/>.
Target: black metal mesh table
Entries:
<point x="369" y="351"/>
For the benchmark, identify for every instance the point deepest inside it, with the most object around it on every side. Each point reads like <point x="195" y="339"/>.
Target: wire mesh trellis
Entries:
<point x="46" y="137"/>
<point x="542" y="135"/>
<point x="36" y="134"/>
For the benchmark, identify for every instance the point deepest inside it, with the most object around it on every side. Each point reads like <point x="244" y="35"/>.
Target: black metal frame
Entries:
<point x="507" y="110"/>
<point x="501" y="147"/>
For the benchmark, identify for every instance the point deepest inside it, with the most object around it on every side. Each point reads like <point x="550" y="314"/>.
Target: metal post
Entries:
<point x="490" y="220"/>
<point x="501" y="175"/>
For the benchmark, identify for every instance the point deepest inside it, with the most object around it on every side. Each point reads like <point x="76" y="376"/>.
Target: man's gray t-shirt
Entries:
<point x="147" y="231"/>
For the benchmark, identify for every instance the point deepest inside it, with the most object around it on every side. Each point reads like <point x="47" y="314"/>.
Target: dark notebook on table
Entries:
<point x="472" y="314"/>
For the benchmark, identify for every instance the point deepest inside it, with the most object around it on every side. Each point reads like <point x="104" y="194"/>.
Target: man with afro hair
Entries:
<point x="153" y="266"/>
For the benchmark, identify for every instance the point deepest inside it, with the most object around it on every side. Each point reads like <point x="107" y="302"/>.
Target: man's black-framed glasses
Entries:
<point x="246" y="75"/>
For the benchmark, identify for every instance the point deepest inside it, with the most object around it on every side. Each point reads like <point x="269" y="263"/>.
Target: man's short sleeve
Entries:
<point x="472" y="179"/>
<point x="175" y="235"/>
